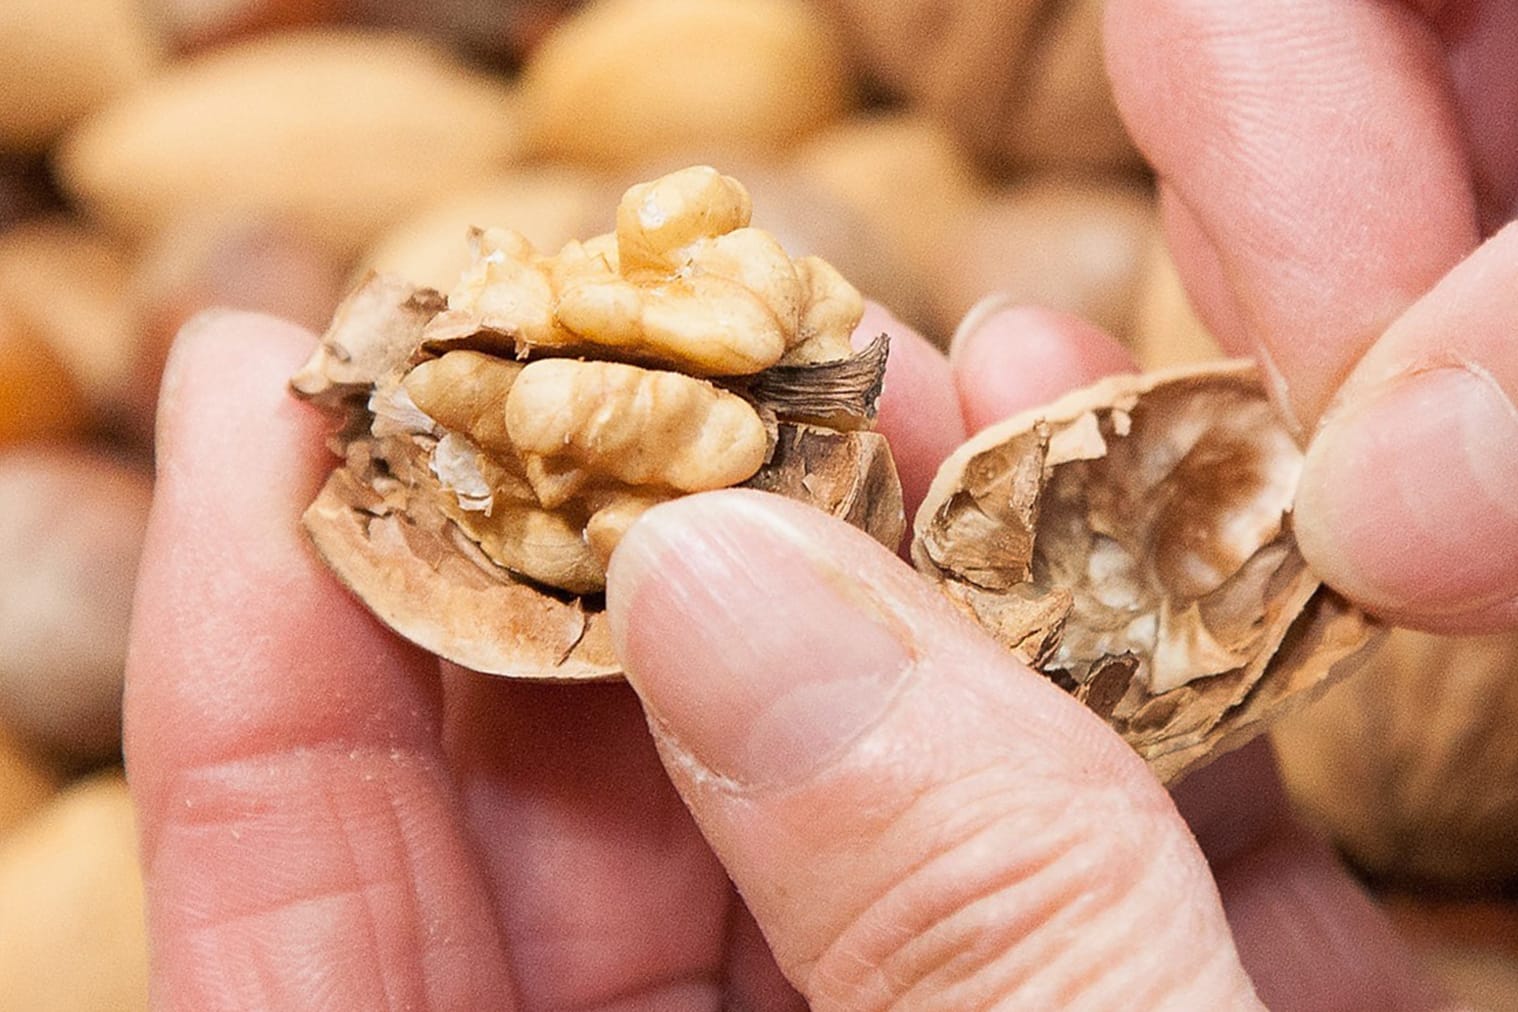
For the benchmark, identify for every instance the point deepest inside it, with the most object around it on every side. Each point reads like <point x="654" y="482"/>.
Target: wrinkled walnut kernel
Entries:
<point x="1133" y="542"/>
<point x="497" y="449"/>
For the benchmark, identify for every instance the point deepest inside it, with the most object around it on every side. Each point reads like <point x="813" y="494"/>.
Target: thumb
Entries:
<point x="1409" y="495"/>
<point x="913" y="817"/>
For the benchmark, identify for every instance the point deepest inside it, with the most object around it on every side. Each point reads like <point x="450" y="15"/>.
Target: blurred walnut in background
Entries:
<point x="60" y="60"/>
<point x="630" y="80"/>
<point x="497" y="31"/>
<point x="1411" y="765"/>
<point x="1021" y="82"/>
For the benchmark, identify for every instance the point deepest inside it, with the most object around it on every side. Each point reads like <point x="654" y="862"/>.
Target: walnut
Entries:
<point x="870" y="162"/>
<point x="1411" y="766"/>
<point x="621" y="82"/>
<point x="1021" y="82"/>
<point x="500" y="442"/>
<point x="1077" y="246"/>
<point x="334" y="133"/>
<point x="637" y="426"/>
<point x="1133" y="542"/>
<point x="63" y="60"/>
<point x="61" y="284"/>
<point x="73" y="893"/>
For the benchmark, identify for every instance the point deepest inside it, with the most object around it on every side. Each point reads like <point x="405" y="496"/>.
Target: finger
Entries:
<point x="1202" y="274"/>
<point x="913" y="818"/>
<point x="298" y="828"/>
<point x="1307" y="933"/>
<point x="1312" y="938"/>
<point x="1407" y="496"/>
<point x="1008" y="357"/>
<point x="1320" y="150"/>
<point x="1481" y="37"/>
<point x="588" y="845"/>
<point x="918" y="411"/>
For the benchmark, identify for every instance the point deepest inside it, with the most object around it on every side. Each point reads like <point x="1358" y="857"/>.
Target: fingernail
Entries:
<point x="1409" y="500"/>
<point x="756" y="654"/>
<point x="988" y="307"/>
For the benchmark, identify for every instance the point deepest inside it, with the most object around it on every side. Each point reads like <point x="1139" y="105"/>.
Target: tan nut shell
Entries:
<point x="337" y="133"/>
<point x="64" y="284"/>
<point x="1020" y="81"/>
<point x="1411" y="766"/>
<point x="623" y="81"/>
<point x="1133" y="542"/>
<point x="26" y="780"/>
<point x="73" y="936"/>
<point x="406" y="561"/>
<point x="60" y="60"/>
<point x="1069" y="245"/>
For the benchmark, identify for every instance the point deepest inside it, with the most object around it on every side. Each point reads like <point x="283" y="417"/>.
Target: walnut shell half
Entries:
<point x="378" y="525"/>
<point x="1132" y="541"/>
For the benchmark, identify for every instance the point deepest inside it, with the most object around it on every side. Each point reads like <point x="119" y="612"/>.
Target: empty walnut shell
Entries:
<point x="497" y="445"/>
<point x="1132" y="541"/>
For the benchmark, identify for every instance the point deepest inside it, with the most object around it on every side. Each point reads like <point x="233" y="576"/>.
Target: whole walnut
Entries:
<point x="501" y="440"/>
<point x="1022" y="82"/>
<point x="63" y="284"/>
<point x="338" y="133"/>
<point x="625" y="81"/>
<point x="58" y="61"/>
<point x="907" y="176"/>
<point x="72" y="533"/>
<point x="1074" y="245"/>
<point x="73" y="936"/>
<point x="1411" y="766"/>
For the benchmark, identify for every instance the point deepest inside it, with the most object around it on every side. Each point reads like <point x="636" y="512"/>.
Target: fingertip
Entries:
<point x="1403" y="504"/>
<point x="1007" y="357"/>
<point x="221" y="357"/>
<point x="239" y="633"/>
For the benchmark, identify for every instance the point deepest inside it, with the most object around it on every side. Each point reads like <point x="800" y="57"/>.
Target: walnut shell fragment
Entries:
<point x="1132" y="541"/>
<point x="500" y="441"/>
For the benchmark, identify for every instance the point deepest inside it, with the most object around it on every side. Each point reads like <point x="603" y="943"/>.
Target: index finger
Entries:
<point x="300" y="832"/>
<point x="1319" y="163"/>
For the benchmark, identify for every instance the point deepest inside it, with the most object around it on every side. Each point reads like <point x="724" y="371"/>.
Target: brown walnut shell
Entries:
<point x="382" y="521"/>
<point x="1132" y="541"/>
<point x="1411" y="766"/>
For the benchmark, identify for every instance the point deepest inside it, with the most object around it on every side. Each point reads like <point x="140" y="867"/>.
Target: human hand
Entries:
<point x="912" y="817"/>
<point x="1333" y="178"/>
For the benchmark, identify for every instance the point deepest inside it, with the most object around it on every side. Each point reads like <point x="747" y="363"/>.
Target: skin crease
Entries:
<point x="322" y="814"/>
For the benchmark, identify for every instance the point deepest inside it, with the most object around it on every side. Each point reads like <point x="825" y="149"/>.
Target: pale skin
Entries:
<point x="329" y="820"/>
